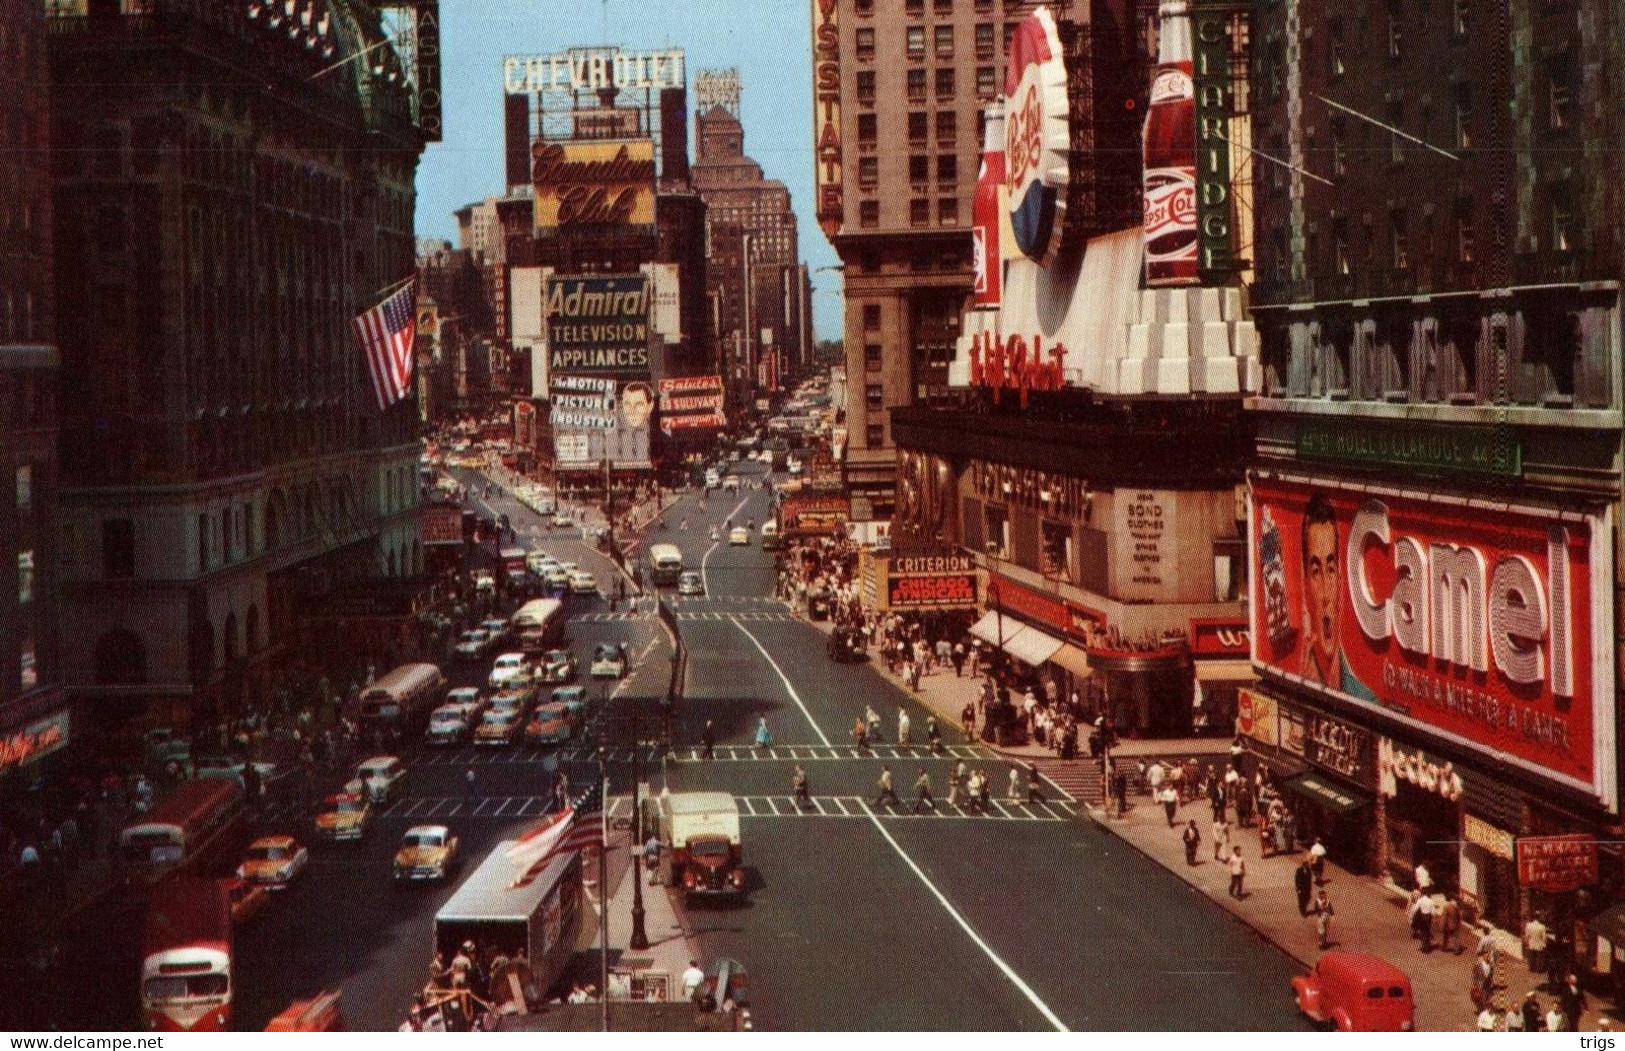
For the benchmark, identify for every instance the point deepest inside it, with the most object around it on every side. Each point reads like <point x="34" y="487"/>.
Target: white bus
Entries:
<point x="665" y="564"/>
<point x="538" y="624"/>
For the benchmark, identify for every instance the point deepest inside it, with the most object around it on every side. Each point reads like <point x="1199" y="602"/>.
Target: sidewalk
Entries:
<point x="670" y="942"/>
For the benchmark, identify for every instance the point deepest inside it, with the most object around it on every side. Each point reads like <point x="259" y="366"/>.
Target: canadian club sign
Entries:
<point x="1486" y="626"/>
<point x="593" y="183"/>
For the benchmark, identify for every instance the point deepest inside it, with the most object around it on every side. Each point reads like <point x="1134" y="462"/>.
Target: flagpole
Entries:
<point x="603" y="892"/>
<point x="387" y="289"/>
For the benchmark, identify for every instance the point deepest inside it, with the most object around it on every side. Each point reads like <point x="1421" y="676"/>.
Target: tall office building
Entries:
<point x="899" y="90"/>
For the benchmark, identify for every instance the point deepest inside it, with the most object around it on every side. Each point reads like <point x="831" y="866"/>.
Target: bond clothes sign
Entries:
<point x="1037" y="136"/>
<point x="35" y="741"/>
<point x="1486" y="626"/>
<point x="598" y="325"/>
<point x="593" y="183"/>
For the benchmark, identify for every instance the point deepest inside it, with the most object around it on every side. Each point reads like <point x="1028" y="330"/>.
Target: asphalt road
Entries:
<point x="1024" y="919"/>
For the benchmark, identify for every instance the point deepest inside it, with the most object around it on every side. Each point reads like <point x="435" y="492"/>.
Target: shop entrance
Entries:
<point x="1423" y="828"/>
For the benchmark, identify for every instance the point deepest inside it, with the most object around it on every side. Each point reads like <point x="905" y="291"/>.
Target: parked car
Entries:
<point x="556" y="666"/>
<point x="582" y="582"/>
<point x="562" y="520"/>
<point x="344" y="817"/>
<point x="1356" y="992"/>
<point x="484" y="581"/>
<point x="609" y="660"/>
<point x="228" y="766"/>
<point x="498" y="727"/>
<point x="508" y="670"/>
<point x="378" y="777"/>
<point x="465" y="697"/>
<point x="273" y="861"/>
<point x="473" y="644"/>
<point x="549" y="724"/>
<point x="739" y="536"/>
<point x="428" y="852"/>
<point x="164" y="747"/>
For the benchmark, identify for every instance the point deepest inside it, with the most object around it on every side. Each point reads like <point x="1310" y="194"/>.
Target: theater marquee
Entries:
<point x="1484" y="624"/>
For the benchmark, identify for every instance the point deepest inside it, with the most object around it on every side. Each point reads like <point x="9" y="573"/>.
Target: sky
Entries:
<point x="768" y="41"/>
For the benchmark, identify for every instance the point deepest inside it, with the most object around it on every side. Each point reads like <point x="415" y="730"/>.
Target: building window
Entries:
<point x="943" y="7"/>
<point x="228" y="536"/>
<point x="1396" y="145"/>
<point x="1396" y="32"/>
<point x="947" y="169"/>
<point x="919" y="169"/>
<point x="1340" y="246"/>
<point x="868" y="172"/>
<point x="915" y="8"/>
<point x="1462" y="106"/>
<point x="944" y="40"/>
<point x="919" y="212"/>
<point x="1559" y="97"/>
<point x="867" y="130"/>
<point x="945" y="82"/>
<point x="25" y="577"/>
<point x="864" y="7"/>
<point x="984" y="5"/>
<point x="118" y="549"/>
<point x="25" y="487"/>
<point x="1563" y="234"/>
<point x="876" y="435"/>
<point x="1340" y="153"/>
<point x="916" y="127"/>
<point x="947" y="127"/>
<point x="916" y="42"/>
<point x="1055" y="550"/>
<point x="1335" y="49"/>
<point x="916" y="85"/>
<point x="984" y="40"/>
<point x="1461" y="16"/>
<point x="1465" y="242"/>
<point x="1399" y="239"/>
<point x="871" y="317"/>
<point x="866" y="85"/>
<point x="874" y="396"/>
<point x="869" y="213"/>
<point x="948" y="211"/>
<point x="986" y="83"/>
<point x="1009" y="34"/>
<point x="871" y="357"/>
<point x="997" y="520"/>
<point x="866" y="43"/>
<point x="27" y="665"/>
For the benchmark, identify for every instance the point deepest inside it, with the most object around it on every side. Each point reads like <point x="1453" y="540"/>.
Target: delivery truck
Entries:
<point x="541" y="914"/>
<point x="707" y="859"/>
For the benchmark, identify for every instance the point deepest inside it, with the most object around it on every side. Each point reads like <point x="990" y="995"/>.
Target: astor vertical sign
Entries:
<point x="827" y="114"/>
<point x="1214" y="262"/>
<point x="428" y="71"/>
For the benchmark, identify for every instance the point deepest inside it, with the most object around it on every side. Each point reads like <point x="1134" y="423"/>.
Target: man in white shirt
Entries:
<point x="693" y="978"/>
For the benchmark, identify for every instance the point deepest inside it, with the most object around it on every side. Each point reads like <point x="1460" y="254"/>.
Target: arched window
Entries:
<point x="251" y="630"/>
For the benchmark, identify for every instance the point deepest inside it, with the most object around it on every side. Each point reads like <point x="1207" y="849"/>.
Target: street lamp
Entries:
<point x="640" y="938"/>
<point x="750" y="296"/>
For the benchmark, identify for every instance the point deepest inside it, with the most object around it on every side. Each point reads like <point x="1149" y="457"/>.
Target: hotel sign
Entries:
<point x="1211" y="53"/>
<point x="1456" y="449"/>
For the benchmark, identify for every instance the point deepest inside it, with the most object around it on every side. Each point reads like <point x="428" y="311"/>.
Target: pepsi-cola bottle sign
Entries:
<point x="1170" y="157"/>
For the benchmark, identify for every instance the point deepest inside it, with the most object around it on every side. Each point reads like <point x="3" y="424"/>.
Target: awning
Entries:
<point x="1610" y="923"/>
<point x="1072" y="659"/>
<point x="987" y="629"/>
<point x="1225" y="671"/>
<point x="1326" y="792"/>
<point x="1032" y="646"/>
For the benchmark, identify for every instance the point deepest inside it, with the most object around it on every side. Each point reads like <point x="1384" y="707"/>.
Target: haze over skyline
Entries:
<point x="767" y="42"/>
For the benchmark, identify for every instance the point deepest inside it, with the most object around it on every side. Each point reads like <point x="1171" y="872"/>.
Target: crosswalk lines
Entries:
<point x="472" y="756"/>
<point x="786" y="807"/>
<point x="712" y="616"/>
<point x="605" y="618"/>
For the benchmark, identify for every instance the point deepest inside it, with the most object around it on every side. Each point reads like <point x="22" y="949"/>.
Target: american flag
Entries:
<point x="386" y="334"/>
<point x="578" y="826"/>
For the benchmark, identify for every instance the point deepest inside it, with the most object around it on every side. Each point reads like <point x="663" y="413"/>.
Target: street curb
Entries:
<point x="1099" y="819"/>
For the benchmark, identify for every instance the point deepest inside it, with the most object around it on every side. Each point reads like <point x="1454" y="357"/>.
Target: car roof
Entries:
<point x="511" y="656"/>
<point x="272" y="841"/>
<point x="570" y="691"/>
<point x="377" y="761"/>
<point x="1362" y="967"/>
<point x="427" y="830"/>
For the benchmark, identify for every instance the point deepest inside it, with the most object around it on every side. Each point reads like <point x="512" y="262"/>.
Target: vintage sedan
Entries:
<point x="574" y="698"/>
<point x="499" y="727"/>
<point x="344" y="817"/>
<point x="273" y="861"/>
<point x="474" y="644"/>
<point x="609" y="661"/>
<point x="428" y="852"/>
<point x="549" y="724"/>
<point x="556" y="666"/>
<point x="739" y="536"/>
<point x="247" y="899"/>
<point x="510" y="669"/>
<point x="377" y="777"/>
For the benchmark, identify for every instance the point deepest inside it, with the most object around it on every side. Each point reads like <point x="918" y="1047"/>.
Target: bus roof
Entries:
<point x="189" y="800"/>
<point x="405" y="677"/>
<point x="538" y="610"/>
<point x="188" y="911"/>
<point x="488" y="892"/>
<point x="659" y="551"/>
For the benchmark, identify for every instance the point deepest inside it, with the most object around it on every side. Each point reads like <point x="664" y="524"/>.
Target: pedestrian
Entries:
<point x="922" y="792"/>
<point x="1555" y="1022"/>
<point x="1323" y="920"/>
<point x="803" y="798"/>
<point x="1422" y="921"/>
<point x="1534" y="944"/>
<point x="1573" y="1001"/>
<point x="1317" y="861"/>
<point x="1483" y="981"/>
<point x="1488" y="1019"/>
<point x="708" y="740"/>
<point x="1238" y="873"/>
<point x="651" y="858"/>
<point x="1215" y="796"/>
<point x="1170" y="803"/>
<point x="1120" y="791"/>
<point x="468" y="781"/>
<point x="764" y="739"/>
<point x="1033" y="793"/>
<point x="902" y="726"/>
<point x="872" y="719"/>
<point x="933" y="735"/>
<point x="1221" y="839"/>
<point x="693" y="979"/>
<point x="1450" y="925"/>
<point x="886" y="791"/>
<point x="959" y="659"/>
<point x="1303" y="880"/>
<point x="1512" y="1020"/>
<point x="967" y="719"/>
<point x="1193" y="841"/>
<point x="860" y="734"/>
<point x="1015" y="786"/>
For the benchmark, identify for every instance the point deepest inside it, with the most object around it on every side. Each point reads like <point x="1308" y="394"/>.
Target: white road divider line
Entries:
<point x="788" y="688"/>
<point x="705" y="576"/>
<point x="1015" y="979"/>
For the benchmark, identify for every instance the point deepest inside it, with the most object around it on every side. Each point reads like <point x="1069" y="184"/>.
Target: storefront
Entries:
<point x="34" y="731"/>
<point x="1222" y="666"/>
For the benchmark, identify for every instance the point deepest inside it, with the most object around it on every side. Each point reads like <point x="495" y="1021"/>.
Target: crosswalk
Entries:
<point x="605" y="618"/>
<point x="862" y="807"/>
<point x="712" y="615"/>
<point x="518" y="754"/>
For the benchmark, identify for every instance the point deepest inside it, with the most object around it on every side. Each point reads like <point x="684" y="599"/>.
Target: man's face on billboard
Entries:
<point x="1321" y="579"/>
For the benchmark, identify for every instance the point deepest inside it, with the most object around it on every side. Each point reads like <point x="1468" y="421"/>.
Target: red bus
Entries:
<point x="186" y="957"/>
<point x="199" y="824"/>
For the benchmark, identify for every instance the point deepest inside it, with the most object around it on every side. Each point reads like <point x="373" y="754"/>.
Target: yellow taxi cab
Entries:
<point x="247" y="899"/>
<point x="428" y="852"/>
<point x="273" y="861"/>
<point x="345" y="817"/>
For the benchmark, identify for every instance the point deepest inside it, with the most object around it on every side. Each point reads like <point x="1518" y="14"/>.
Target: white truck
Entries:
<point x="707" y="859"/>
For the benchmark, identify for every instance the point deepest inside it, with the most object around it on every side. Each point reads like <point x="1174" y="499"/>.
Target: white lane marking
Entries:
<point x="791" y="690"/>
<point x="705" y="576"/>
<point x="1015" y="979"/>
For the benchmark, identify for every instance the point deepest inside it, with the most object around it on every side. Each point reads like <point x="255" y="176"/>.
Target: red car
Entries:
<point x="1356" y="992"/>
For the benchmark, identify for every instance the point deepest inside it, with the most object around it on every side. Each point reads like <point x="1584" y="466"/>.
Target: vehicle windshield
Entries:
<point x="349" y="805"/>
<point x="423" y="839"/>
<point x="473" y="636"/>
<point x="557" y="657"/>
<point x="268" y="853"/>
<point x="181" y="987"/>
<point x="447" y="717"/>
<point x="498" y="718"/>
<point x="142" y="845"/>
<point x="710" y="848"/>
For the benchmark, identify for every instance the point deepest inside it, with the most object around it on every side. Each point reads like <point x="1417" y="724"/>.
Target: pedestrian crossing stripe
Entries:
<point x="605" y="618"/>
<point x="474" y="756"/>
<point x="727" y="617"/>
